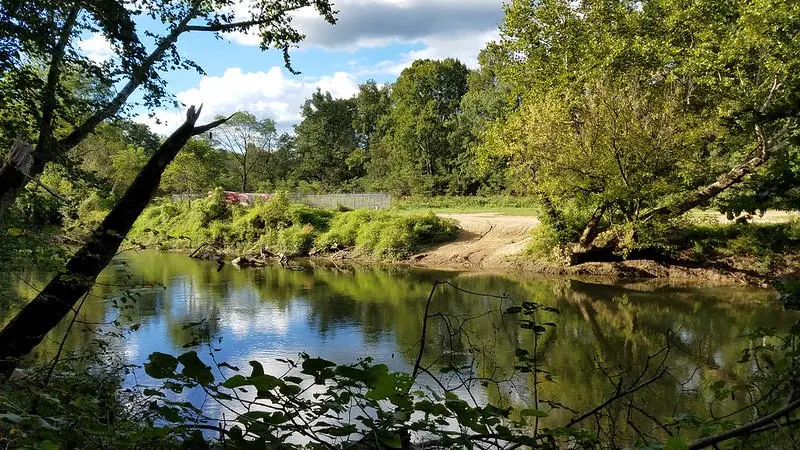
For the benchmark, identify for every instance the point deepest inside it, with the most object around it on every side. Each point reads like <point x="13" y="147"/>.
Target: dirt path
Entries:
<point x="485" y="240"/>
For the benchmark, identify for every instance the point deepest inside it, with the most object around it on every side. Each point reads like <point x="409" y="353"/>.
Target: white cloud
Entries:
<point x="464" y="48"/>
<point x="97" y="48"/>
<point x="445" y="28"/>
<point x="266" y="94"/>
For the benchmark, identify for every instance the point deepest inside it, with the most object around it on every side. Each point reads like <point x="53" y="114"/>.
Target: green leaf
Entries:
<point x="266" y="382"/>
<point x="195" y="369"/>
<point x="295" y="380"/>
<point x="312" y="366"/>
<point x="290" y="389"/>
<point x="237" y="381"/>
<point x="48" y="445"/>
<point x="153" y="393"/>
<point x="352" y="373"/>
<point x="258" y="369"/>
<point x="15" y="232"/>
<point x="161" y="365"/>
<point x="676" y="443"/>
<point x="532" y="413"/>
<point x="345" y="430"/>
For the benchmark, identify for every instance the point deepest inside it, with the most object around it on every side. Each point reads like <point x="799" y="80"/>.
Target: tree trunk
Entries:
<point x="11" y="182"/>
<point x="723" y="182"/>
<point x="56" y="300"/>
<point x="591" y="230"/>
<point x="14" y="173"/>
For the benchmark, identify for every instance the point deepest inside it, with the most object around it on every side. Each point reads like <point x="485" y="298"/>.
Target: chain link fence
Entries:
<point x="367" y="200"/>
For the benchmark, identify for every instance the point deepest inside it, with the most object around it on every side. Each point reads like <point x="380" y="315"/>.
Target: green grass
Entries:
<point x="283" y="227"/>
<point x="506" y="205"/>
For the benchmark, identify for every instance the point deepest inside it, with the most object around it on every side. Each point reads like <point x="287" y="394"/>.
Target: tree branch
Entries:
<point x="748" y="428"/>
<point x="137" y="78"/>
<point x="50" y="93"/>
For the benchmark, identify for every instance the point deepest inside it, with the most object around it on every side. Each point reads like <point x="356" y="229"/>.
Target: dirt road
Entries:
<point x="485" y="240"/>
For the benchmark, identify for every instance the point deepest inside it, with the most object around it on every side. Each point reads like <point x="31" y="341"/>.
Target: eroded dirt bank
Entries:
<point x="490" y="241"/>
<point x="486" y="240"/>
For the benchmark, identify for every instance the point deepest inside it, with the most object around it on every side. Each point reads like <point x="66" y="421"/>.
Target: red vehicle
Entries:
<point x="244" y="199"/>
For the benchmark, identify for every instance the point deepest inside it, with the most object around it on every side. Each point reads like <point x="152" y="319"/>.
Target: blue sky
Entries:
<point x="373" y="39"/>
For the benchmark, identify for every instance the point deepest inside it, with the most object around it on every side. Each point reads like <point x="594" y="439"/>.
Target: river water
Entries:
<point x="343" y="313"/>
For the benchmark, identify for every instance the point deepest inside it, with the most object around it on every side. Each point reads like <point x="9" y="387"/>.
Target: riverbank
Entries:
<point x="710" y="249"/>
<point x="491" y="241"/>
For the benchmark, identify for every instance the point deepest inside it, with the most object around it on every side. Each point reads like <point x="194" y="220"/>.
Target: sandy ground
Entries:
<point x="495" y="241"/>
<point x="486" y="240"/>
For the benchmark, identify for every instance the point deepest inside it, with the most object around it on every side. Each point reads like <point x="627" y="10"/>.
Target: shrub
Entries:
<point x="286" y="228"/>
<point x="344" y="228"/>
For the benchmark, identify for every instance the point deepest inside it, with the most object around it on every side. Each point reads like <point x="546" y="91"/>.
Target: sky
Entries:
<point x="373" y="39"/>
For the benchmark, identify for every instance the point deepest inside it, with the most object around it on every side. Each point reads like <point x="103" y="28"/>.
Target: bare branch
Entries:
<point x="748" y="428"/>
<point x="203" y="128"/>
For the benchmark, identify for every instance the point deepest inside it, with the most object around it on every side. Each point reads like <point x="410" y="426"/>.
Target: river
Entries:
<point x="343" y="313"/>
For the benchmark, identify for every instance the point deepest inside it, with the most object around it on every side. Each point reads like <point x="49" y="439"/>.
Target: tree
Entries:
<point x="248" y="141"/>
<point x="196" y="169"/>
<point x="325" y="142"/>
<point x="486" y="100"/>
<point x="31" y="324"/>
<point x="425" y="100"/>
<point x="722" y="75"/>
<point x="373" y="102"/>
<point x="39" y="51"/>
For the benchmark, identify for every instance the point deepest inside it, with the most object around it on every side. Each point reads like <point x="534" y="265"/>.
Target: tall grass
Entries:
<point x="283" y="227"/>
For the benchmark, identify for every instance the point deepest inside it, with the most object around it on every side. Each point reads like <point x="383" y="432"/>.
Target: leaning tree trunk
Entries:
<point x="27" y="329"/>
<point x="703" y="195"/>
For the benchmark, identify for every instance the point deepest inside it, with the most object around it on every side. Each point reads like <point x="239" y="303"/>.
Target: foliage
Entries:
<point x="325" y="142"/>
<point x="386" y="235"/>
<point x="283" y="227"/>
<point x="416" y="154"/>
<point x="466" y="203"/>
<point x="196" y="169"/>
<point x="248" y="141"/>
<point x="621" y="114"/>
<point x="767" y="243"/>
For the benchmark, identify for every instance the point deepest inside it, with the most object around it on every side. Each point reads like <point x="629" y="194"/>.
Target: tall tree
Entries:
<point x="487" y="100"/>
<point x="722" y="75"/>
<point x="325" y="142"/>
<point x="39" y="50"/>
<point x="425" y="101"/>
<point x="248" y="141"/>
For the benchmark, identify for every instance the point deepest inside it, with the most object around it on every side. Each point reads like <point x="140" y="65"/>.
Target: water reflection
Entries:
<point x="345" y="313"/>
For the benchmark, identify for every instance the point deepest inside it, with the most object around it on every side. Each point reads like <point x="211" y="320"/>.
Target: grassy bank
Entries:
<point x="766" y="249"/>
<point x="283" y="227"/>
<point x="501" y="204"/>
<point x="761" y="247"/>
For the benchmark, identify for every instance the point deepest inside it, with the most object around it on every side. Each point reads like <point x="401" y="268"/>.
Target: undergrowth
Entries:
<point x="283" y="227"/>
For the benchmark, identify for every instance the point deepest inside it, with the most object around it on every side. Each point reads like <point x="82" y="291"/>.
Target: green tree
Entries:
<point x="486" y="100"/>
<point x="39" y="53"/>
<point x="248" y="141"/>
<point x="126" y="164"/>
<point x="198" y="168"/>
<point x="719" y="76"/>
<point x="373" y="104"/>
<point x="425" y="101"/>
<point x="326" y="142"/>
